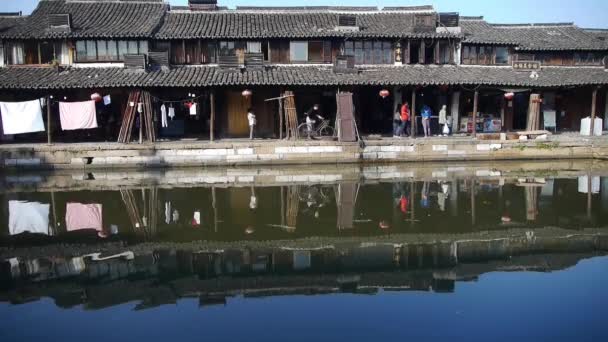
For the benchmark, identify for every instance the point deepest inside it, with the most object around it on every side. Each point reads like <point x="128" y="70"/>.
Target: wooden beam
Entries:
<point x="413" y="114"/>
<point x="593" y="109"/>
<point x="475" y="103"/>
<point x="212" y="114"/>
<point x="48" y="119"/>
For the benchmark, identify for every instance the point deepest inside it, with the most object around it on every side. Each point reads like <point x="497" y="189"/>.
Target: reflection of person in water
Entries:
<point x="315" y="200"/>
<point x="424" y="195"/>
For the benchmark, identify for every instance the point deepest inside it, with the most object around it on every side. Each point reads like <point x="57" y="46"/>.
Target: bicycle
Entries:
<point x="323" y="129"/>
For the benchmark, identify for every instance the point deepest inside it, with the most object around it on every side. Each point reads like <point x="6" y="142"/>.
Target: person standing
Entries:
<point x="405" y="118"/>
<point x="312" y="115"/>
<point x="443" y="121"/>
<point x="426" y="120"/>
<point x="252" y="122"/>
<point x="397" y="122"/>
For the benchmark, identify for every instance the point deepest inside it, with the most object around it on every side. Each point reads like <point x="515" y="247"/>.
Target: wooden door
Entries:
<point x="237" y="106"/>
<point x="346" y="121"/>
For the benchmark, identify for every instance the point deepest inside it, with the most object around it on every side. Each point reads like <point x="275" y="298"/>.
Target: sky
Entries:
<point x="584" y="13"/>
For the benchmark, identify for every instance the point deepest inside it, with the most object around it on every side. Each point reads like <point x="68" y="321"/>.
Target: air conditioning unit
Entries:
<point x="60" y="22"/>
<point x="345" y="64"/>
<point x="347" y="22"/>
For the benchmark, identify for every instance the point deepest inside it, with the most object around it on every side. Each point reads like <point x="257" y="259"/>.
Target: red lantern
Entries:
<point x="246" y="93"/>
<point x="384" y="93"/>
<point x="96" y="97"/>
<point x="509" y="96"/>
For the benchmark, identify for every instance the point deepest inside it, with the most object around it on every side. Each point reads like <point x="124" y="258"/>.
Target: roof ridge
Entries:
<point x="532" y="25"/>
<point x="471" y="18"/>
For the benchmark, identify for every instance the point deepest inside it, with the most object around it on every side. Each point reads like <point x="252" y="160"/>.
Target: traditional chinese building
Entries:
<point x="212" y="56"/>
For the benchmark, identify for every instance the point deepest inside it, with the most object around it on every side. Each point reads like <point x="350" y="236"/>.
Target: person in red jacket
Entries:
<point x="405" y="118"/>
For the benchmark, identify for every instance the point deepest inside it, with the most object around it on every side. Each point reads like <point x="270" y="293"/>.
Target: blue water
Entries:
<point x="568" y="305"/>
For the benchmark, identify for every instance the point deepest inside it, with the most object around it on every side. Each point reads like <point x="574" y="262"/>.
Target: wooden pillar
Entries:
<point x="48" y="119"/>
<point x="141" y="126"/>
<point x="281" y="119"/>
<point x="593" y="109"/>
<point x="422" y="53"/>
<point x="212" y="114"/>
<point x="475" y="103"/>
<point x="413" y="114"/>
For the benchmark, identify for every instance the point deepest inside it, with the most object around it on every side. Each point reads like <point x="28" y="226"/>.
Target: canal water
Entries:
<point x="327" y="253"/>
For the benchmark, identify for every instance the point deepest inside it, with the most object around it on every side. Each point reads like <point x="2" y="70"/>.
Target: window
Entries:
<point x="112" y="50"/>
<point x="502" y="55"/>
<point x="298" y="51"/>
<point x="132" y="48"/>
<point x="370" y="52"/>
<point x="106" y="50"/>
<point x="315" y="52"/>
<point x="588" y="58"/>
<point x="47" y="52"/>
<point x="13" y="53"/>
<point x="445" y="53"/>
<point x="279" y="52"/>
<point x="122" y="49"/>
<point x="254" y="47"/>
<point x="30" y="50"/>
<point x="102" y="50"/>
<point x="227" y="48"/>
<point x="483" y="55"/>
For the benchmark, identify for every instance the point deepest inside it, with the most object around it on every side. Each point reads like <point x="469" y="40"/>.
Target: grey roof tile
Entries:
<point x="92" y="19"/>
<point x="557" y="36"/>
<point x="291" y="24"/>
<point x="209" y="76"/>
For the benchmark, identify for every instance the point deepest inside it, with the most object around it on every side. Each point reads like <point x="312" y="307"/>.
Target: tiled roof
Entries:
<point x="92" y="19"/>
<point x="209" y="76"/>
<point x="530" y="36"/>
<point x="8" y="22"/>
<point x="291" y="24"/>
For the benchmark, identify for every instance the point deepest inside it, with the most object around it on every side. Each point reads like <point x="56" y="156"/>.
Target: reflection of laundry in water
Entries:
<point x="167" y="212"/>
<point x="80" y="216"/>
<point x="30" y="217"/>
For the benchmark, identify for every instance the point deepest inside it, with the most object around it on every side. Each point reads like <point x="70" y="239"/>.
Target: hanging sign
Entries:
<point x="527" y="65"/>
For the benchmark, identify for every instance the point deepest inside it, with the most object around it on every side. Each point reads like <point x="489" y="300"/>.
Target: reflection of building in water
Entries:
<point x="101" y="280"/>
<point x="231" y="213"/>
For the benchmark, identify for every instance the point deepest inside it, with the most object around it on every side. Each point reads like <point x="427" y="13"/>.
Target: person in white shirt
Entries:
<point x="252" y="122"/>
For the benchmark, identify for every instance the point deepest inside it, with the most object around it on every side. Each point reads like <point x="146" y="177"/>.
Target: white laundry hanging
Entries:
<point x="22" y="117"/>
<point x="163" y="116"/>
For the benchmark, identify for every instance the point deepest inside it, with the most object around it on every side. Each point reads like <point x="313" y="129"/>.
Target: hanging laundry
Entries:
<point x="77" y="115"/>
<point x="175" y="216"/>
<point x="80" y="216"/>
<point x="22" y="117"/>
<point x="163" y="116"/>
<point x="193" y="109"/>
<point x="107" y="100"/>
<point x="196" y="219"/>
<point x="171" y="112"/>
<point x="30" y="217"/>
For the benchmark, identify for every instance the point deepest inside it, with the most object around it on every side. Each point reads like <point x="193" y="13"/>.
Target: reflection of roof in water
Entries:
<point x="216" y="290"/>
